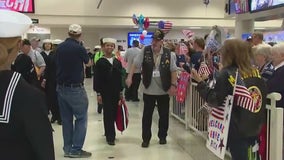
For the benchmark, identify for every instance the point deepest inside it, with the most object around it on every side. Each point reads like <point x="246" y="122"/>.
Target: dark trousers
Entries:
<point x="88" y="72"/>
<point x="239" y="146"/>
<point x="52" y="101"/>
<point x="131" y="93"/>
<point x="110" y="108"/>
<point x="163" y="110"/>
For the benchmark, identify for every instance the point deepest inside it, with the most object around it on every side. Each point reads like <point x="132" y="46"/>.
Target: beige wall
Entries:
<point x="119" y="12"/>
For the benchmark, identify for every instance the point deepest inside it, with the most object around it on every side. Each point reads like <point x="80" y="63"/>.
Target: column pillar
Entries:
<point x="243" y="26"/>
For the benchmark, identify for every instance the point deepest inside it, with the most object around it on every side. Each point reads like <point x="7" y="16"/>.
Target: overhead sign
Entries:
<point x="35" y="21"/>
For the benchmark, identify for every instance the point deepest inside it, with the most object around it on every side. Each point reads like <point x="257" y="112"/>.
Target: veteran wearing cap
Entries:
<point x="108" y="85"/>
<point x="159" y="80"/>
<point x="25" y="131"/>
<point x="72" y="97"/>
<point x="36" y="57"/>
<point x="35" y="44"/>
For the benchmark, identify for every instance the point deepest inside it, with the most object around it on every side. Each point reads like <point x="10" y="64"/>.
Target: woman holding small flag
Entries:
<point x="238" y="78"/>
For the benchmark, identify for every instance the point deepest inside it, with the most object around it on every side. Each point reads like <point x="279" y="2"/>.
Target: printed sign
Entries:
<point x="218" y="128"/>
<point x="26" y="6"/>
<point x="182" y="86"/>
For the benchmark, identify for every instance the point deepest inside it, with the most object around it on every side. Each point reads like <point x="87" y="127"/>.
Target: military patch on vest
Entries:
<point x="147" y="56"/>
<point x="256" y="97"/>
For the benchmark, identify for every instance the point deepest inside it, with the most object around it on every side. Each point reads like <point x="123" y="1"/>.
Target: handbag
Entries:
<point x="122" y="115"/>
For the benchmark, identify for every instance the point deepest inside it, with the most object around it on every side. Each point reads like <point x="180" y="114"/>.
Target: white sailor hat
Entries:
<point x="57" y="41"/>
<point x="13" y="24"/>
<point x="97" y="47"/>
<point x="34" y="39"/>
<point x="75" y="29"/>
<point x="109" y="40"/>
<point x="47" y="41"/>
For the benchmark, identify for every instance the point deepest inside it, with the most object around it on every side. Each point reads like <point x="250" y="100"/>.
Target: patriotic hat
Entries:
<point x="13" y="24"/>
<point x="158" y="34"/>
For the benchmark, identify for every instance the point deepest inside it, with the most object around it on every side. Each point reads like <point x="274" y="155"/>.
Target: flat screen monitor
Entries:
<point x="238" y="6"/>
<point x="245" y="36"/>
<point x="241" y="6"/>
<point x="259" y="5"/>
<point x="24" y="6"/>
<point x="136" y="36"/>
<point x="277" y="37"/>
<point x="232" y="9"/>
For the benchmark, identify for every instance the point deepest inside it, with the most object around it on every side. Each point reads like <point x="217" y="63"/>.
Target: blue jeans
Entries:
<point x="73" y="102"/>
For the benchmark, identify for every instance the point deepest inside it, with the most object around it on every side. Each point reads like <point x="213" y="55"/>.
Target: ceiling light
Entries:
<point x="259" y="28"/>
<point x="194" y="27"/>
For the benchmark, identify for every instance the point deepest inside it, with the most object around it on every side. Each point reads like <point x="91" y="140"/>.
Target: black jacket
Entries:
<point x="243" y="122"/>
<point x="28" y="134"/>
<point x="108" y="77"/>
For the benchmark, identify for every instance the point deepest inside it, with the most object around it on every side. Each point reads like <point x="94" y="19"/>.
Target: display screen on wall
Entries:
<point x="245" y="36"/>
<point x="259" y="5"/>
<point x="136" y="36"/>
<point x="24" y="6"/>
<point x="277" y="37"/>
<point x="232" y="9"/>
<point x="241" y="6"/>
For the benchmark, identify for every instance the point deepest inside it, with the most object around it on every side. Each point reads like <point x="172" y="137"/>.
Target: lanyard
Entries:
<point x="157" y="59"/>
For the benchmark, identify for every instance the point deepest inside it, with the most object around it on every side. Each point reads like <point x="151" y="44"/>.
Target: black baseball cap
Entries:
<point x="158" y="34"/>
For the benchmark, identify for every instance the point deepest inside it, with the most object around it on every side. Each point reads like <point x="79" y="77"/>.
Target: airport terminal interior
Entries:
<point x="182" y="144"/>
<point x="126" y="20"/>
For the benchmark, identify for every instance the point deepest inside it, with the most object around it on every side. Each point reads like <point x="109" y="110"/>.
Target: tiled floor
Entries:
<point x="182" y="144"/>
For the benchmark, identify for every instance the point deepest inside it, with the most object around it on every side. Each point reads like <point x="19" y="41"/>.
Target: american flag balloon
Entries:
<point x="167" y="27"/>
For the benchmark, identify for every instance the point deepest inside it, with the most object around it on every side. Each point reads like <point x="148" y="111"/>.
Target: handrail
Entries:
<point x="274" y="128"/>
<point x="189" y="114"/>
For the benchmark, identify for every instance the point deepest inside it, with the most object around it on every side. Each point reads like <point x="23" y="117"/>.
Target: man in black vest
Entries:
<point x="159" y="80"/>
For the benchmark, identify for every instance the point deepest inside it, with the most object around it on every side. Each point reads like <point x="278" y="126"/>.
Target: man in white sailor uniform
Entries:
<point x="25" y="131"/>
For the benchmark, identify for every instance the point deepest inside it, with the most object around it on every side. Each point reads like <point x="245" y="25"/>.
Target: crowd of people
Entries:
<point x="51" y="79"/>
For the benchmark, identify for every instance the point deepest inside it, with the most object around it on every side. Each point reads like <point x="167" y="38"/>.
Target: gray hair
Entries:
<point x="263" y="49"/>
<point x="278" y="48"/>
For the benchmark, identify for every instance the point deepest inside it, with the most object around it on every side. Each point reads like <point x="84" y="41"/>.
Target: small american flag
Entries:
<point x="242" y="96"/>
<point x="187" y="33"/>
<point x="167" y="27"/>
<point x="218" y="113"/>
<point x="203" y="69"/>
<point x="183" y="49"/>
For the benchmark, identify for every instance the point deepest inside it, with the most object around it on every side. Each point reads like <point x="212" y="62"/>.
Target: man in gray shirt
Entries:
<point x="131" y="93"/>
<point x="159" y="80"/>
<point x="36" y="57"/>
